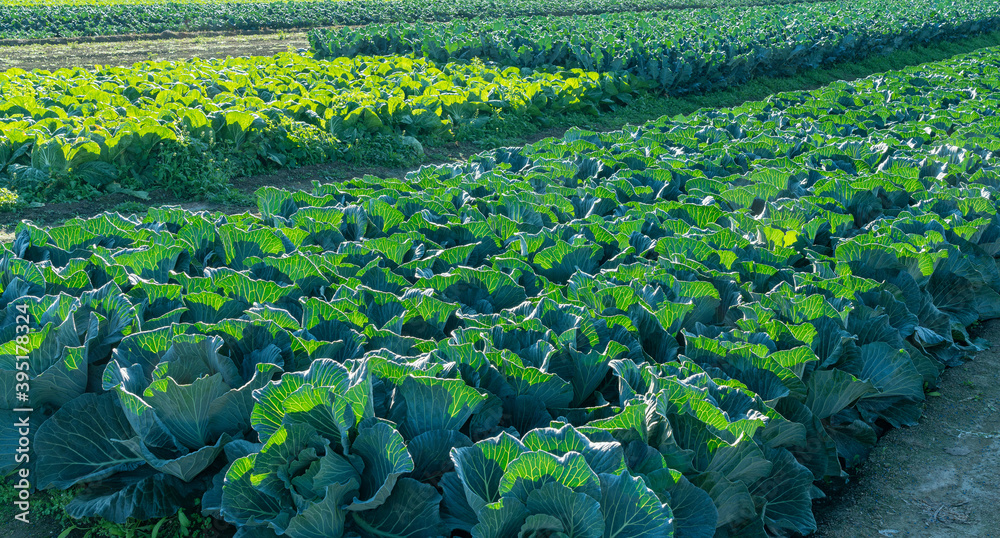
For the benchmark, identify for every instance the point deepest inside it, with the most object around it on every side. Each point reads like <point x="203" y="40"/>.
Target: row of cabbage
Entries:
<point x="190" y="126"/>
<point x="679" y="51"/>
<point x="76" y="132"/>
<point x="676" y="329"/>
<point x="32" y="19"/>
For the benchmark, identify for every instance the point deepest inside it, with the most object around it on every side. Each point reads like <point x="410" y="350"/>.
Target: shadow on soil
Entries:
<point x="937" y="479"/>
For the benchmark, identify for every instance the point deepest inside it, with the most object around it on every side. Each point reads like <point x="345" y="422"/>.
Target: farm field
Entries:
<point x="757" y="240"/>
<point x="64" y="18"/>
<point x="192" y="126"/>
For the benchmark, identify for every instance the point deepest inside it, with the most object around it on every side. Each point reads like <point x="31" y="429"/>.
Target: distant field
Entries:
<point x="566" y="5"/>
<point x="34" y="19"/>
<point x="32" y="3"/>
<point x="164" y="124"/>
<point x="678" y="51"/>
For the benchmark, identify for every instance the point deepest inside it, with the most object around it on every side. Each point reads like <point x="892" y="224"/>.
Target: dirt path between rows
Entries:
<point x="939" y="479"/>
<point x="125" y="53"/>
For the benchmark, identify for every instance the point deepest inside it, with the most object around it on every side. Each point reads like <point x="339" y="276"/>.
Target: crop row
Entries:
<point x="190" y="126"/>
<point x="74" y="132"/>
<point x="29" y="19"/>
<point x="678" y="51"/>
<point x="677" y="328"/>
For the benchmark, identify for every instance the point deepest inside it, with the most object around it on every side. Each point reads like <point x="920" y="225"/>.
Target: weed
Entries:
<point x="233" y="198"/>
<point x="497" y="130"/>
<point x="50" y="506"/>
<point x="189" y="167"/>
<point x="9" y="201"/>
<point x="131" y="208"/>
<point x="383" y="150"/>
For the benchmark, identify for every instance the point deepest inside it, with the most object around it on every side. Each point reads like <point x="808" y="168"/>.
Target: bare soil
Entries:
<point x="34" y="529"/>
<point x="127" y="50"/>
<point x="939" y="479"/>
<point x="166" y="34"/>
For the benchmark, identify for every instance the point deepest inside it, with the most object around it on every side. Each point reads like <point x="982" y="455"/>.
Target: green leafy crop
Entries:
<point x="192" y="125"/>
<point x="677" y="51"/>
<point x="671" y="330"/>
<point x="29" y="19"/>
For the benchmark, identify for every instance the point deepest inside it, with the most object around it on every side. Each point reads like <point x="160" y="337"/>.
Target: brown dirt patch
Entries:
<point x="127" y="50"/>
<point x="937" y="479"/>
<point x="166" y="34"/>
<point x="34" y="529"/>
